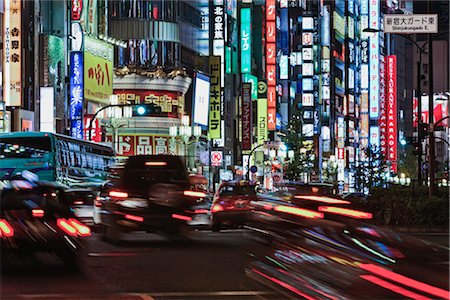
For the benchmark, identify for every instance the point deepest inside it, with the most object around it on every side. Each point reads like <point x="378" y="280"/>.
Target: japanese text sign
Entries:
<point x="215" y="98"/>
<point x="246" y="41"/>
<point x="76" y="92"/>
<point x="12" y="53"/>
<point x="98" y="70"/>
<point x="247" y="126"/>
<point x="262" y="121"/>
<point x="411" y="24"/>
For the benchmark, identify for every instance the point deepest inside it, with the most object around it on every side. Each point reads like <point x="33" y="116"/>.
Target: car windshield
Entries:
<point x="235" y="190"/>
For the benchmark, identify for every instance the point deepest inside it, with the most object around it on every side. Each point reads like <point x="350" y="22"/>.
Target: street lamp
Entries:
<point x="185" y="132"/>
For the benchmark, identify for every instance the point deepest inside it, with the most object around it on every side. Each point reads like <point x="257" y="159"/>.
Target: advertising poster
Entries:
<point x="98" y="70"/>
<point x="201" y="100"/>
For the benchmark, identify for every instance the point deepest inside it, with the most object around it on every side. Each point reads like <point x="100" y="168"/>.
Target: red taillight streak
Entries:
<point x="418" y="285"/>
<point x="201" y="211"/>
<point x="323" y="199"/>
<point x="357" y="214"/>
<point x="217" y="208"/>
<point x="37" y="213"/>
<point x="66" y="227"/>
<point x="267" y="207"/>
<point x="78" y="202"/>
<point x="285" y="285"/>
<point x="392" y="287"/>
<point x="134" y="218"/>
<point x="73" y="228"/>
<point x="299" y="211"/>
<point x="194" y="194"/>
<point x="82" y="229"/>
<point x="6" y="229"/>
<point x="118" y="194"/>
<point x="181" y="217"/>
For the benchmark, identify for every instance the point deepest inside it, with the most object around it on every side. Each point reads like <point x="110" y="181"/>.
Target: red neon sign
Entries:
<point x="391" y="109"/>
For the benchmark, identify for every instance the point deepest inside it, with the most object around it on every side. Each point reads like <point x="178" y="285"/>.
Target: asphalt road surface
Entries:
<point x="149" y="267"/>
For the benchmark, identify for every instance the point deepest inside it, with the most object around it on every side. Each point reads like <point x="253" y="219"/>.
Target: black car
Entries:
<point x="150" y="194"/>
<point x="34" y="217"/>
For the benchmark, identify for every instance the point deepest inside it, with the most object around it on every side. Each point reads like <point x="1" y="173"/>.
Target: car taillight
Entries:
<point x="117" y="194"/>
<point x="98" y="202"/>
<point x="6" y="229"/>
<point x="216" y="208"/>
<point x="195" y="194"/>
<point x="322" y="199"/>
<point x="181" y="217"/>
<point x="299" y="211"/>
<point x="201" y="211"/>
<point x="73" y="227"/>
<point x="37" y="213"/>
<point x="134" y="218"/>
<point x="78" y="202"/>
<point x="357" y="214"/>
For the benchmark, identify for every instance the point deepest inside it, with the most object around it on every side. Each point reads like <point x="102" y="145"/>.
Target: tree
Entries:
<point x="370" y="171"/>
<point x="408" y="162"/>
<point x="301" y="162"/>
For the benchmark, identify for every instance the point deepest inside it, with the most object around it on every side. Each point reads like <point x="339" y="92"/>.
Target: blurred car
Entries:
<point x="201" y="209"/>
<point x="311" y="188"/>
<point x="34" y="217"/>
<point x="231" y="204"/>
<point x="81" y="201"/>
<point x="151" y="193"/>
<point x="331" y="251"/>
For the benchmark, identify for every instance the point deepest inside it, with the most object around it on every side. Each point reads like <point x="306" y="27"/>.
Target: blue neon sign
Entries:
<point x="76" y="94"/>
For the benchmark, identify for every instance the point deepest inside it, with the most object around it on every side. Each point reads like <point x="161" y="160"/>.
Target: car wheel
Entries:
<point x="215" y="227"/>
<point x="112" y="234"/>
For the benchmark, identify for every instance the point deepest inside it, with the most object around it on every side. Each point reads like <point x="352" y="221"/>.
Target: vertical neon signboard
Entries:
<point x="246" y="41"/>
<point x="76" y="94"/>
<point x="215" y="98"/>
<point x="391" y="89"/>
<point x="247" y="126"/>
<point x="374" y="59"/>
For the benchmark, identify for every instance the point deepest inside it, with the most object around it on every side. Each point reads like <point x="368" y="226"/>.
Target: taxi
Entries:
<point x="232" y="203"/>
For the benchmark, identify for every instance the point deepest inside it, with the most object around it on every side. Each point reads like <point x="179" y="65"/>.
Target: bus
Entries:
<point x="55" y="157"/>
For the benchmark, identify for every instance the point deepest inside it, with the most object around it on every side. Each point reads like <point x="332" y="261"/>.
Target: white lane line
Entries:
<point x="111" y="254"/>
<point x="203" y="294"/>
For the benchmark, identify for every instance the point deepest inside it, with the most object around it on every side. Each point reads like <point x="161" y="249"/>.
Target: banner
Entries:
<point x="215" y="98"/>
<point x="12" y="53"/>
<point x="76" y="95"/>
<point x="246" y="40"/>
<point x="98" y="70"/>
<point x="391" y="80"/>
<point x="247" y="126"/>
<point x="130" y="144"/>
<point x="262" y="121"/>
<point x="171" y="103"/>
<point x="440" y="110"/>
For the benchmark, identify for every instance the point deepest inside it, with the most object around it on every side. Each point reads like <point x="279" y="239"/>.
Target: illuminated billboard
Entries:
<point x="246" y="41"/>
<point x="201" y="100"/>
<point x="76" y="94"/>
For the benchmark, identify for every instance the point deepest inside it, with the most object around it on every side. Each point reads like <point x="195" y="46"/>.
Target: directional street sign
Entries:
<point x="411" y="24"/>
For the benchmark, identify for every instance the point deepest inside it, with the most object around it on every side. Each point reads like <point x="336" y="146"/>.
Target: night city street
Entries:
<point x="149" y="267"/>
<point x="224" y="149"/>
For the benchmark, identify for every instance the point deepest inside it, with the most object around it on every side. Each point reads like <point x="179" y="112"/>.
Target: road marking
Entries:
<point x="111" y="254"/>
<point x="203" y="294"/>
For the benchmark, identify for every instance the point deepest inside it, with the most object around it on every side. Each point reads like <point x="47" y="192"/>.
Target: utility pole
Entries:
<point x="419" y="120"/>
<point x="432" y="189"/>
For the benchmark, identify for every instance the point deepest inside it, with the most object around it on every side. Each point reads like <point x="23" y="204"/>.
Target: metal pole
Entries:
<point x="430" y="111"/>
<point x="419" y="121"/>
<point x="249" y="158"/>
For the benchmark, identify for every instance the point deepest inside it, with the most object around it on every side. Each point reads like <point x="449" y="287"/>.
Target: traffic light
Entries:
<point x="422" y="130"/>
<point x="417" y="148"/>
<point x="145" y="110"/>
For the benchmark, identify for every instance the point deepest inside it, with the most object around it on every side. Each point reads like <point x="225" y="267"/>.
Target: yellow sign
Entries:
<point x="98" y="70"/>
<point x="215" y="98"/>
<point x="262" y="134"/>
<point x="12" y="56"/>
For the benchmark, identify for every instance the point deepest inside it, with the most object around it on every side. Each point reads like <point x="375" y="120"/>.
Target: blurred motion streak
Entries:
<point x="5" y="229"/>
<point x="432" y="290"/>
<point x="322" y="199"/>
<point x="299" y="211"/>
<point x="393" y="287"/>
<point x="346" y="212"/>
